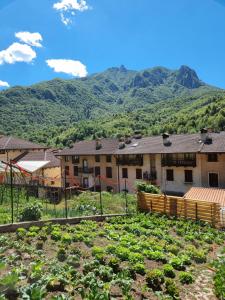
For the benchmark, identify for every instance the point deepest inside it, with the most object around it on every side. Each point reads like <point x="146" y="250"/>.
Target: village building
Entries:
<point x="173" y="162"/>
<point x="33" y="164"/>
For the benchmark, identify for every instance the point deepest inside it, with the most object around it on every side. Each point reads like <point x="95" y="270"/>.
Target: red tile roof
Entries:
<point x="207" y="194"/>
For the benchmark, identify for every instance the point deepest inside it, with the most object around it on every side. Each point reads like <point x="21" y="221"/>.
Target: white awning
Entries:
<point x="31" y="166"/>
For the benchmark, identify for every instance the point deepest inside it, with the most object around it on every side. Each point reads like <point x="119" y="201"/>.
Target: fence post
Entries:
<point x="100" y="184"/>
<point x="11" y="190"/>
<point x="126" y="196"/>
<point x="65" y="194"/>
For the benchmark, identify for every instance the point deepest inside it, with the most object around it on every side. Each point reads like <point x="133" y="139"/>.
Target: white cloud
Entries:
<point x="4" y="84"/>
<point x="68" y="66"/>
<point x="68" y="8"/>
<point x="17" y="53"/>
<point x="32" y="39"/>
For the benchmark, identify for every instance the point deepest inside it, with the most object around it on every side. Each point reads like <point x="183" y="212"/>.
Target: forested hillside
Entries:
<point x="117" y="101"/>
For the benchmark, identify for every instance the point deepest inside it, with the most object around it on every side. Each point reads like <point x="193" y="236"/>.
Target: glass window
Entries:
<point x="97" y="158"/>
<point x="75" y="170"/>
<point x="108" y="158"/>
<point x="188" y="175"/>
<point x="67" y="170"/>
<point x="108" y="172"/>
<point x="124" y="173"/>
<point x="75" y="159"/>
<point x="138" y="173"/>
<point x="169" y="175"/>
<point x="97" y="171"/>
<point x="67" y="158"/>
<point x="212" y="157"/>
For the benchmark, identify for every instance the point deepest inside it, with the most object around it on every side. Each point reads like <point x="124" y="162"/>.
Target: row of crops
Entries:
<point x="139" y="257"/>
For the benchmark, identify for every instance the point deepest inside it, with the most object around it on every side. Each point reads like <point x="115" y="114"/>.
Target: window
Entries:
<point x="67" y="170"/>
<point x="75" y="171"/>
<point x="188" y="176"/>
<point x="67" y="158"/>
<point x="2" y="151"/>
<point x="108" y="172"/>
<point x="169" y="175"/>
<point x="97" y="158"/>
<point x="138" y="173"/>
<point x="212" y="157"/>
<point x="213" y="179"/>
<point x="124" y="173"/>
<point x="75" y="159"/>
<point x="108" y="158"/>
<point x="97" y="171"/>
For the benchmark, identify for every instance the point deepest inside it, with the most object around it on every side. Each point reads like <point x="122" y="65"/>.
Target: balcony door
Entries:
<point x="85" y="182"/>
<point x="85" y="164"/>
<point x="213" y="179"/>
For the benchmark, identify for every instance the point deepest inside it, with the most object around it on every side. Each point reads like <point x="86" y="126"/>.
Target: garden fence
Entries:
<point x="181" y="207"/>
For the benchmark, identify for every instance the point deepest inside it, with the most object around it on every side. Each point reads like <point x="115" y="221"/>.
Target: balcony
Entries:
<point x="129" y="161"/>
<point x="178" y="162"/>
<point x="86" y="170"/>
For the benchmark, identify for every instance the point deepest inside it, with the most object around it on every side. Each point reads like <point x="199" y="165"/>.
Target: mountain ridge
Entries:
<point x="43" y="112"/>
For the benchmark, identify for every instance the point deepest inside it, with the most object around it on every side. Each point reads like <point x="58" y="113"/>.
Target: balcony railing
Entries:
<point x="178" y="162"/>
<point x="129" y="162"/>
<point x="86" y="170"/>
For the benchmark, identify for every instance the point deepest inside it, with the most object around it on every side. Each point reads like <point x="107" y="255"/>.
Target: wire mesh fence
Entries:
<point x="15" y="199"/>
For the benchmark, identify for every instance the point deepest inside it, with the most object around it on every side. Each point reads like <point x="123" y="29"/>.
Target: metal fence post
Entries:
<point x="11" y="191"/>
<point x="101" y="206"/>
<point x="126" y="196"/>
<point x="65" y="194"/>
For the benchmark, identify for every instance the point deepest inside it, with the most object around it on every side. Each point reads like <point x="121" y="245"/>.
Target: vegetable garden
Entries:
<point x="139" y="257"/>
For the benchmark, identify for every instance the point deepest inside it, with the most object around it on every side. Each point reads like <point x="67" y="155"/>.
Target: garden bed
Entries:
<point x="139" y="257"/>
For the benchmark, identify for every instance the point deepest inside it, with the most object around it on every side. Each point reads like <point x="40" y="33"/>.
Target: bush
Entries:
<point x="186" y="277"/>
<point x="31" y="212"/>
<point x="147" y="188"/>
<point x="171" y="288"/>
<point x="169" y="271"/>
<point x="155" y="278"/>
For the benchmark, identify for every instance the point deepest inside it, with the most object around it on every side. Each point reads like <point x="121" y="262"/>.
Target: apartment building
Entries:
<point x="174" y="162"/>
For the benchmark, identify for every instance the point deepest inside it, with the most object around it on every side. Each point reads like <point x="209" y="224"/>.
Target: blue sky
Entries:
<point x="98" y="34"/>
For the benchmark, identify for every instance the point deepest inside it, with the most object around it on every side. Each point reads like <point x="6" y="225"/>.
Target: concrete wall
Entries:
<point x="52" y="177"/>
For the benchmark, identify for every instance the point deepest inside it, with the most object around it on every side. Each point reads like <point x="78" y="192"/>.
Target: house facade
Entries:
<point x="175" y="163"/>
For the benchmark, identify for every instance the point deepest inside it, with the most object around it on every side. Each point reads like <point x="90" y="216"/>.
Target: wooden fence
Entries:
<point x="180" y="207"/>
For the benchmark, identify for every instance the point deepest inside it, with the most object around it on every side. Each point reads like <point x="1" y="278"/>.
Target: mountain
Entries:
<point x="116" y="101"/>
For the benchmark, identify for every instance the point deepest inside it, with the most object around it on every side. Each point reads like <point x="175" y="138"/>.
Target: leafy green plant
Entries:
<point x="147" y="188"/>
<point x="177" y="264"/>
<point x="32" y="212"/>
<point x="61" y="254"/>
<point x="155" y="278"/>
<point x="139" y="268"/>
<point x="171" y="288"/>
<point x="186" y="278"/>
<point x="169" y="271"/>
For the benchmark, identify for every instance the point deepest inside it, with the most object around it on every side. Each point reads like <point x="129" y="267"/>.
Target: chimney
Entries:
<point x="166" y="139"/>
<point x="137" y="134"/>
<point x="98" y="144"/>
<point x="205" y="135"/>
